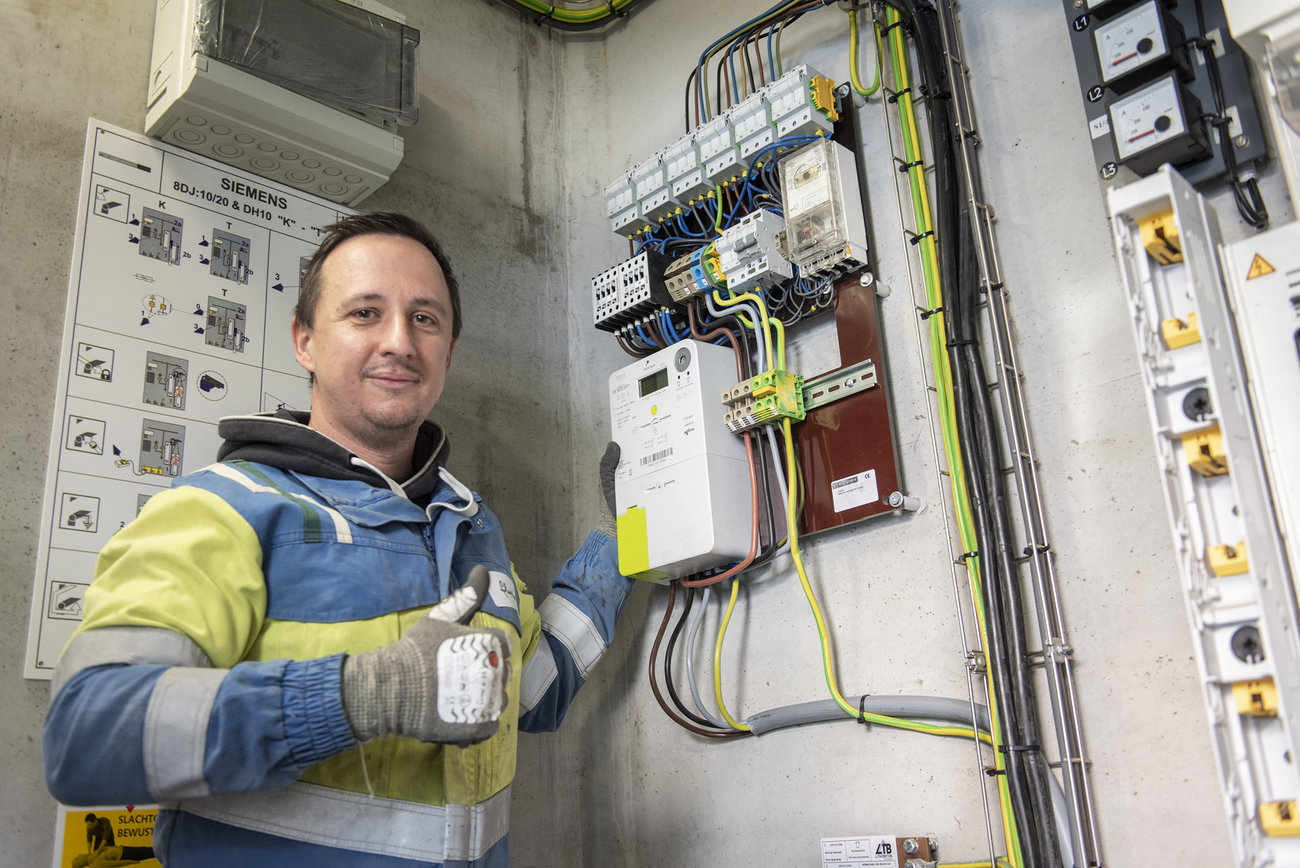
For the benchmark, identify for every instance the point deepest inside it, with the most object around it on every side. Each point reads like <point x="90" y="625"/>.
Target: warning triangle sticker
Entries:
<point x="1259" y="267"/>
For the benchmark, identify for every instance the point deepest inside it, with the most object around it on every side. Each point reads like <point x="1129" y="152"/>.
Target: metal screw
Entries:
<point x="866" y="279"/>
<point x="1241" y="141"/>
<point x="1078" y="4"/>
<point x="896" y="500"/>
<point x="851" y="382"/>
<point x="910" y="847"/>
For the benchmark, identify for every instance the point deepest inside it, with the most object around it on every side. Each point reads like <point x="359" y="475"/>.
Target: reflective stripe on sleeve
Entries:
<point x="539" y="674"/>
<point x="176" y="730"/>
<point x="105" y="645"/>
<point x="574" y="629"/>
<point x="342" y="532"/>
<point x="367" y="824"/>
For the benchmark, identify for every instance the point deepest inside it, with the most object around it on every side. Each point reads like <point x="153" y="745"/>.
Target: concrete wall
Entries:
<point x="520" y="130"/>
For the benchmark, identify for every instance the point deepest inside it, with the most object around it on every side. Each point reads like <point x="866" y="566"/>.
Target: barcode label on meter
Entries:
<point x="856" y="490"/>
<point x="656" y="456"/>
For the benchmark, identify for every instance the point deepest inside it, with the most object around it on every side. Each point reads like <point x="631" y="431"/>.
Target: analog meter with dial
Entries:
<point x="1146" y="39"/>
<point x="1159" y="123"/>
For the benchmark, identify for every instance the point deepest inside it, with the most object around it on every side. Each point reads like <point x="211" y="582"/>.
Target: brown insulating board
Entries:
<point x="853" y="435"/>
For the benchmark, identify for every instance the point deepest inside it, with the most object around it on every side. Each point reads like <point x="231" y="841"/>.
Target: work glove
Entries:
<point x="442" y="682"/>
<point x="608" y="466"/>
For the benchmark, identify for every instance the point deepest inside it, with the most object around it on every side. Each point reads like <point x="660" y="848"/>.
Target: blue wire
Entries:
<point x="731" y="67"/>
<point x="645" y="340"/>
<point x="686" y="230"/>
<point x="668" y="327"/>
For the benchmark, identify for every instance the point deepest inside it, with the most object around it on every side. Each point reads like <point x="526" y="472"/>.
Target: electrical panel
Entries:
<point x="1150" y="95"/>
<point x="682" y="489"/>
<point x="210" y="90"/>
<point x="1217" y="336"/>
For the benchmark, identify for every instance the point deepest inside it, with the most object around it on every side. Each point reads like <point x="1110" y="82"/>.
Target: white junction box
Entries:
<point x="682" y="490"/>
<point x="227" y="113"/>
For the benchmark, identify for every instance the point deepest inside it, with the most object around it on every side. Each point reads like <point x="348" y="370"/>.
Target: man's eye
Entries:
<point x="364" y="313"/>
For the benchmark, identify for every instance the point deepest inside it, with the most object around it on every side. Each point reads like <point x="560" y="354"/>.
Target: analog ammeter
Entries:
<point x="1157" y="124"/>
<point x="1144" y="40"/>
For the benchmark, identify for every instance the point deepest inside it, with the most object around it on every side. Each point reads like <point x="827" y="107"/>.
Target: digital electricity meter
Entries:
<point x="1142" y="42"/>
<point x="1158" y="124"/>
<point x="682" y="494"/>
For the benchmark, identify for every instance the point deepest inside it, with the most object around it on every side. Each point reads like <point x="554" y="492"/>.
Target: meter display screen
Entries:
<point x="654" y="382"/>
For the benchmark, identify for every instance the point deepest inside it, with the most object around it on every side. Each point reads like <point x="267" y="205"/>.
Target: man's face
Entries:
<point x="381" y="342"/>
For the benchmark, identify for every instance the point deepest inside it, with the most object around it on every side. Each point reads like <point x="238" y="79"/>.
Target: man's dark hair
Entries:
<point x="384" y="223"/>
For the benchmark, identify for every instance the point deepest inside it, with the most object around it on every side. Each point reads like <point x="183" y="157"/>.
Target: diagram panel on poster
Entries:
<point x="183" y="281"/>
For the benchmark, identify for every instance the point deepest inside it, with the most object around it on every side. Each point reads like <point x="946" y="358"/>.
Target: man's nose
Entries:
<point x="398" y="336"/>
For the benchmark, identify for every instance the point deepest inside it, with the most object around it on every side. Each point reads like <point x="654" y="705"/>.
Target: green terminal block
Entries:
<point x="770" y="396"/>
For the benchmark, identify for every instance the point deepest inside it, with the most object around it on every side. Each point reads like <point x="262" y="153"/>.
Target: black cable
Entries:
<point x="668" y="662"/>
<point x="979" y="443"/>
<point x="1250" y="204"/>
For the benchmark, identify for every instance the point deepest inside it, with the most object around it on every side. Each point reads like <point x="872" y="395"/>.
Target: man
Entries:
<point x="261" y="650"/>
<point x="99" y="837"/>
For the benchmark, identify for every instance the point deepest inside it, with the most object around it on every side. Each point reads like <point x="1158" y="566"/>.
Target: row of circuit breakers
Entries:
<point x="1150" y="96"/>
<point x="682" y="489"/>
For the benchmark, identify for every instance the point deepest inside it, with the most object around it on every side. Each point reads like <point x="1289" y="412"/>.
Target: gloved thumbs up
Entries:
<point x="465" y="600"/>
<point x="442" y="682"/>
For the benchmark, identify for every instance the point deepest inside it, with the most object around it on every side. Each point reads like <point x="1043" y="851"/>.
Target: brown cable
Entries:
<point x="654" y="683"/>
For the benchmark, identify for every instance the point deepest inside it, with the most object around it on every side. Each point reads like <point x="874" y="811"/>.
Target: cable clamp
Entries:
<point x="903" y="167"/>
<point x="918" y="237"/>
<point x="898" y="94"/>
<point x="926" y="314"/>
<point x="1038" y="549"/>
<point x="965" y="342"/>
<point x="1018" y="748"/>
<point x="862" y="710"/>
<point x="929" y="93"/>
<point x="994" y="772"/>
<point x="961" y="559"/>
<point x="542" y="18"/>
<point x="884" y="31"/>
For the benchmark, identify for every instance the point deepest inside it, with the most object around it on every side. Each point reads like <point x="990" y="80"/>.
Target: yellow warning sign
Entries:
<point x="1259" y="267"/>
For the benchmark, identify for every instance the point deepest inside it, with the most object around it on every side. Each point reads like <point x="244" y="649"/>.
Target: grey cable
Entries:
<point x="922" y="707"/>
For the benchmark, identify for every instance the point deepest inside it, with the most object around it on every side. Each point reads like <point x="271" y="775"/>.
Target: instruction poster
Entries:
<point x="183" y="280"/>
<point x="107" y="836"/>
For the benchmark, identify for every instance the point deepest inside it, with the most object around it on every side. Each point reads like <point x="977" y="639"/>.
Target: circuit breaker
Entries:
<point x="682" y="489"/>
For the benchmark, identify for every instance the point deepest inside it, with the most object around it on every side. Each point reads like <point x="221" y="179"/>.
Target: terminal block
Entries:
<point x="1226" y="560"/>
<point x="680" y="278"/>
<point x="770" y="396"/>
<point x="1177" y="333"/>
<point x="1256" y="698"/>
<point x="1204" y="452"/>
<point x="1160" y="238"/>
<point x="1280" y="819"/>
<point x="629" y="290"/>
<point x="687" y="277"/>
<point x="749" y="255"/>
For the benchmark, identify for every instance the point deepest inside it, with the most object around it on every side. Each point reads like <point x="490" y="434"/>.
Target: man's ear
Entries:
<point x="302" y="348"/>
